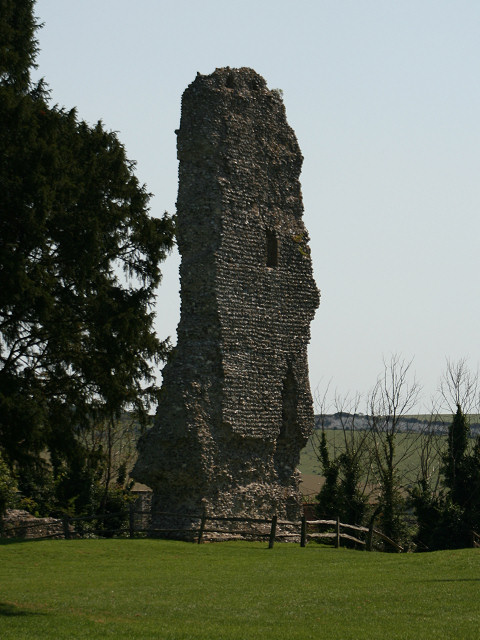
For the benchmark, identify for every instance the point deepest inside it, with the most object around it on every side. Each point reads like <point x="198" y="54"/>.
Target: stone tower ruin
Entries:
<point x="235" y="407"/>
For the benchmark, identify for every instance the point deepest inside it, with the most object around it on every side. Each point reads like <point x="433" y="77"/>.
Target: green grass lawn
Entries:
<point x="234" y="590"/>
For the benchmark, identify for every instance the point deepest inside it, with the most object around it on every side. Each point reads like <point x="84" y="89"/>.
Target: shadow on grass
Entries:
<point x="453" y="580"/>
<point x="5" y="541"/>
<point x="8" y="609"/>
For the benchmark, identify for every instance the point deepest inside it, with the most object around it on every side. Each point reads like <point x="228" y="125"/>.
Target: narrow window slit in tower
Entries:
<point x="272" y="249"/>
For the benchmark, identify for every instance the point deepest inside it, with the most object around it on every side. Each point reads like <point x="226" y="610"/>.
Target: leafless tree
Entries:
<point x="430" y="449"/>
<point x="322" y="405"/>
<point x="459" y="387"/>
<point x="343" y="458"/>
<point x="394" y="396"/>
<point x="113" y="441"/>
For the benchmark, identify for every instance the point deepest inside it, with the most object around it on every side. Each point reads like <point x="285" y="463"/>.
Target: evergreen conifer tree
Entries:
<point x="455" y="467"/>
<point x="79" y="267"/>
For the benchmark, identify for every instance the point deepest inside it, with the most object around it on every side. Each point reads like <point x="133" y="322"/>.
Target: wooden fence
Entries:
<point x="201" y="528"/>
<point x="337" y="535"/>
<point x="475" y="539"/>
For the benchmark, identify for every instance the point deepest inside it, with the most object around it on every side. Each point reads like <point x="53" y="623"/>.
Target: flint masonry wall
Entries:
<point x="236" y="407"/>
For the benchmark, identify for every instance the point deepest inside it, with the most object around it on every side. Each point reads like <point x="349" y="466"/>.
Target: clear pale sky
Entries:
<point x="384" y="97"/>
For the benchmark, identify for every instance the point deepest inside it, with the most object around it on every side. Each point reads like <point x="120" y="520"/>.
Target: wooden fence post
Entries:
<point x="273" y="531"/>
<point x="202" y="526"/>
<point x="66" y="527"/>
<point x="131" y="519"/>
<point x="303" y="534"/>
<point x="337" y="540"/>
<point x="370" y="536"/>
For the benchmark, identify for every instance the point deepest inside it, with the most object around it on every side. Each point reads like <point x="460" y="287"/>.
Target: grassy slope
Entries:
<point x="242" y="591"/>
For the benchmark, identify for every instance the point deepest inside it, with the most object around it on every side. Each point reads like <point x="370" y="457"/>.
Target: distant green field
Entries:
<point x="309" y="462"/>
<point x="152" y="589"/>
<point x="408" y="453"/>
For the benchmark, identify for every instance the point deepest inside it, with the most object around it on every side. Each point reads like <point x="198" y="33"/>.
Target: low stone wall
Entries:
<point x="142" y="510"/>
<point x="18" y="523"/>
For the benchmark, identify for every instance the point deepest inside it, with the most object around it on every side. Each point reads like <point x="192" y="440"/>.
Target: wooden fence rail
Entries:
<point x="338" y="536"/>
<point x="68" y="527"/>
<point x="475" y="539"/>
<point x="291" y="529"/>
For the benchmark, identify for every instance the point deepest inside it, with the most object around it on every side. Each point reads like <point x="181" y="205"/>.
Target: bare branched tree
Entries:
<point x="459" y="387"/>
<point x="343" y="458"/>
<point x="393" y="397"/>
<point x="446" y="503"/>
<point x="322" y="408"/>
<point x="431" y="447"/>
<point x="113" y="443"/>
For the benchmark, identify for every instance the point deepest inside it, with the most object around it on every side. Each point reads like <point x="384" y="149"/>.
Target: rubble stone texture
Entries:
<point x="236" y="407"/>
<point x="18" y="523"/>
